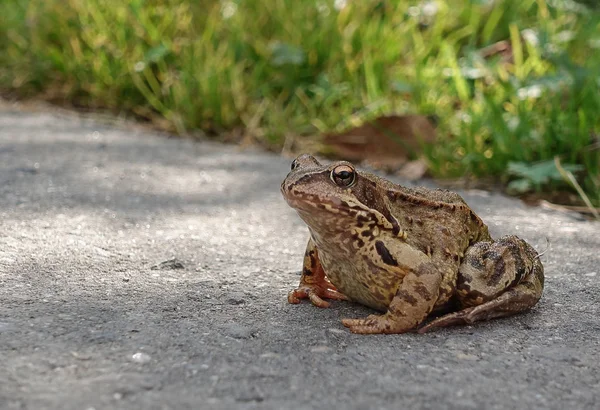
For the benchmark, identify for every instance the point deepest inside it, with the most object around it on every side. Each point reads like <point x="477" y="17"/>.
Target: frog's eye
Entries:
<point x="294" y="164"/>
<point x="343" y="175"/>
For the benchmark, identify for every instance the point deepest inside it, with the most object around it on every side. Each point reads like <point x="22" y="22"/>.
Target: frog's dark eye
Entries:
<point x="343" y="175"/>
<point x="294" y="164"/>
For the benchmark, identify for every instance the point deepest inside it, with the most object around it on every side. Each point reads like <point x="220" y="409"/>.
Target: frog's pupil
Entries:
<point x="343" y="176"/>
<point x="293" y="165"/>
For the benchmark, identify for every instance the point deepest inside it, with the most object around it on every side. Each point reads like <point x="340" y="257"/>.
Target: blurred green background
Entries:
<point x="514" y="85"/>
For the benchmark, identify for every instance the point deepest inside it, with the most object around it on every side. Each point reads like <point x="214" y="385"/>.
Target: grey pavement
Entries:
<point x="91" y="319"/>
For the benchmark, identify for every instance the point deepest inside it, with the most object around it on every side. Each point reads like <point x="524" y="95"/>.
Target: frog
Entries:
<point x="420" y="257"/>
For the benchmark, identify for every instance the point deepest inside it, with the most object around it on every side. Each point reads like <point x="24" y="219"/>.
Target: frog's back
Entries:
<point x="436" y="195"/>
<point x="418" y="194"/>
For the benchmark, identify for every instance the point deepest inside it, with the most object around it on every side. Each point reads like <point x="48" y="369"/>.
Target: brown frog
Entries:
<point x="409" y="252"/>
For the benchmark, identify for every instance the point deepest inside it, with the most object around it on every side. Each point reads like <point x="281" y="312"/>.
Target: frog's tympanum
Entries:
<point x="411" y="253"/>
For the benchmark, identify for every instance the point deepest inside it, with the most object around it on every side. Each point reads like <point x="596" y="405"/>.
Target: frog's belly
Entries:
<point x="367" y="285"/>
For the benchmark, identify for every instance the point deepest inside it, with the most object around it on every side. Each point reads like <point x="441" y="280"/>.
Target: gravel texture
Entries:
<point x="141" y="271"/>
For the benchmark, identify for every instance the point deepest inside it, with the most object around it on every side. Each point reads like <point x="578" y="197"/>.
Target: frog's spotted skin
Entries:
<point x="407" y="252"/>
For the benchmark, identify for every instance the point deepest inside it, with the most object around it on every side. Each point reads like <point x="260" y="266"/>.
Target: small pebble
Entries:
<point x="320" y="349"/>
<point x="80" y="356"/>
<point x="463" y="356"/>
<point x="269" y="355"/>
<point x="170" y="264"/>
<point x="239" y="332"/>
<point x="141" y="357"/>
<point x="236" y="298"/>
<point x="336" y="336"/>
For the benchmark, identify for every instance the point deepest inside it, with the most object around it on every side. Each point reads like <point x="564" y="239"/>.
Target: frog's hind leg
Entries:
<point x="496" y="279"/>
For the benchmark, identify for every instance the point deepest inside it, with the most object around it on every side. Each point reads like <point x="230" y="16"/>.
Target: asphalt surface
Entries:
<point x="94" y="316"/>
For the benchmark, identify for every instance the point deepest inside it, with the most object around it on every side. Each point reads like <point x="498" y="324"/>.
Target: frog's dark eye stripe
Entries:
<point x="343" y="175"/>
<point x="294" y="164"/>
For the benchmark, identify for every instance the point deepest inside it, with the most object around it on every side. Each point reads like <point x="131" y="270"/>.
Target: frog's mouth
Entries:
<point x="317" y="206"/>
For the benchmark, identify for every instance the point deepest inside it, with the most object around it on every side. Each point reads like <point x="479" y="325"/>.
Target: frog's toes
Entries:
<point x="304" y="292"/>
<point x="334" y="294"/>
<point x="317" y="301"/>
<point x="315" y="294"/>
<point x="359" y="322"/>
<point x="373" y="324"/>
<point x="451" y="319"/>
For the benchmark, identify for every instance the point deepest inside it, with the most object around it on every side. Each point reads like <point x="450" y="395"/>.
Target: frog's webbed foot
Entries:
<point x="316" y="293"/>
<point x="464" y="317"/>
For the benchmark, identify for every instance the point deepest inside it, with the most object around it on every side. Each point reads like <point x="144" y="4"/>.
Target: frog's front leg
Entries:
<point x="314" y="285"/>
<point x="414" y="300"/>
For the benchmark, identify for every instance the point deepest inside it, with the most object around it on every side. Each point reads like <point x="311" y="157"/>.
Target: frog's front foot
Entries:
<point x="316" y="293"/>
<point x="376" y="324"/>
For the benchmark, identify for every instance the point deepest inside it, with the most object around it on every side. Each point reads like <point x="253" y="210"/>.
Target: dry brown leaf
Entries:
<point x="502" y="49"/>
<point x="413" y="170"/>
<point x="386" y="142"/>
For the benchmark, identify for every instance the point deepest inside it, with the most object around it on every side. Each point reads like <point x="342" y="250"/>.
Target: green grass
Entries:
<point x="284" y="67"/>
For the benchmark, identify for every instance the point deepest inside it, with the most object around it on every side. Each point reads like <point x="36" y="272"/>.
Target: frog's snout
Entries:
<point x="286" y="186"/>
<point x="283" y="188"/>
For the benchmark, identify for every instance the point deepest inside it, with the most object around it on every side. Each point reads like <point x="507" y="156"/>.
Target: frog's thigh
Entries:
<point x="414" y="300"/>
<point x="489" y="268"/>
<point x="519" y="265"/>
